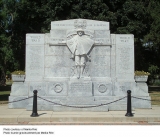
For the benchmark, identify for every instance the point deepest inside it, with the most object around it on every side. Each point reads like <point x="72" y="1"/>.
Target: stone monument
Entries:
<point x="79" y="64"/>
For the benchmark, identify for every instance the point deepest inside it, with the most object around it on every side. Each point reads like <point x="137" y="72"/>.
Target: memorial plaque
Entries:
<point x="81" y="88"/>
<point x="57" y="41"/>
<point x="72" y="24"/>
<point x="34" y="62"/>
<point x="124" y="56"/>
<point x="35" y="39"/>
<point x="57" y="37"/>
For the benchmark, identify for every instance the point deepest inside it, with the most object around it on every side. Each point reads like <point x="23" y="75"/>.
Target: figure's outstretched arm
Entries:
<point x="57" y="42"/>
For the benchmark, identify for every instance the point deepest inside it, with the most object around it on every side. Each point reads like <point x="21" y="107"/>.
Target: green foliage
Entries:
<point x="7" y="58"/>
<point x="157" y="83"/>
<point x="153" y="69"/>
<point x="18" y="17"/>
<point x="18" y="72"/>
<point x="154" y="33"/>
<point x="141" y="73"/>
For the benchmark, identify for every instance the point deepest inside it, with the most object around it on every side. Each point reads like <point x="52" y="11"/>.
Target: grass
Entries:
<point x="155" y="95"/>
<point x="2" y="93"/>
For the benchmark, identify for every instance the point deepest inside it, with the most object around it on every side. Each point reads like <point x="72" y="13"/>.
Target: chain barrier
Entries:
<point x="16" y="100"/>
<point x="81" y="106"/>
<point x="144" y="99"/>
<point x="77" y="106"/>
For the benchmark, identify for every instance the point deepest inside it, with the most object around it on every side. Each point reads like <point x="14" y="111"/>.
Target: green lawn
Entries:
<point x="155" y="95"/>
<point x="5" y="92"/>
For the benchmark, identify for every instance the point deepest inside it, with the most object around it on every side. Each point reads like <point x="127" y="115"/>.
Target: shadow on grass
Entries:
<point x="5" y="92"/>
<point x="154" y="88"/>
<point x="4" y="97"/>
<point x="5" y="88"/>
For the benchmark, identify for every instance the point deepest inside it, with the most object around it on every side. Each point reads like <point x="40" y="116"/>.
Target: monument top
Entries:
<point x="80" y="23"/>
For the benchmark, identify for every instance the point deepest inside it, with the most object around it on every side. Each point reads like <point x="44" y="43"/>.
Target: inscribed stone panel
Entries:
<point x="34" y="62"/>
<point x="125" y="56"/>
<point x="35" y="39"/>
<point x="57" y="37"/>
<point x="80" y="88"/>
<point x="72" y="24"/>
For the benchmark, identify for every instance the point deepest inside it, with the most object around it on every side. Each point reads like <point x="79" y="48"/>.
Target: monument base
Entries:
<point x="77" y="108"/>
<point x="78" y="95"/>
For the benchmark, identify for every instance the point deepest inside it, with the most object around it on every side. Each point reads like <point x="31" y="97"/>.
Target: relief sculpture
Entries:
<point x="79" y="41"/>
<point x="80" y="44"/>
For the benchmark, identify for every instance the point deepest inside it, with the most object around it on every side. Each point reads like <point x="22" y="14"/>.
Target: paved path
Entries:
<point x="22" y="117"/>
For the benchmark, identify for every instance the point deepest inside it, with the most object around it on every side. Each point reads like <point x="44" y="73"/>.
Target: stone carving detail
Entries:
<point x="102" y="88"/>
<point x="80" y="44"/>
<point x="85" y="72"/>
<point x="80" y="41"/>
<point x="80" y="24"/>
<point x="58" y="88"/>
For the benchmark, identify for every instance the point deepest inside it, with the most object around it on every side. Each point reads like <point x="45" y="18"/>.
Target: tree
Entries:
<point x="133" y="17"/>
<point x="152" y="38"/>
<point x="7" y="60"/>
<point x="19" y="17"/>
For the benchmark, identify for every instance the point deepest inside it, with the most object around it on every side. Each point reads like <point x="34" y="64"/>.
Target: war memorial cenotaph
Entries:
<point x="79" y="63"/>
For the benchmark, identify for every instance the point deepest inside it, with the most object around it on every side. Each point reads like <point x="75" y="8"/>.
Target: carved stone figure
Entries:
<point x="80" y="42"/>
